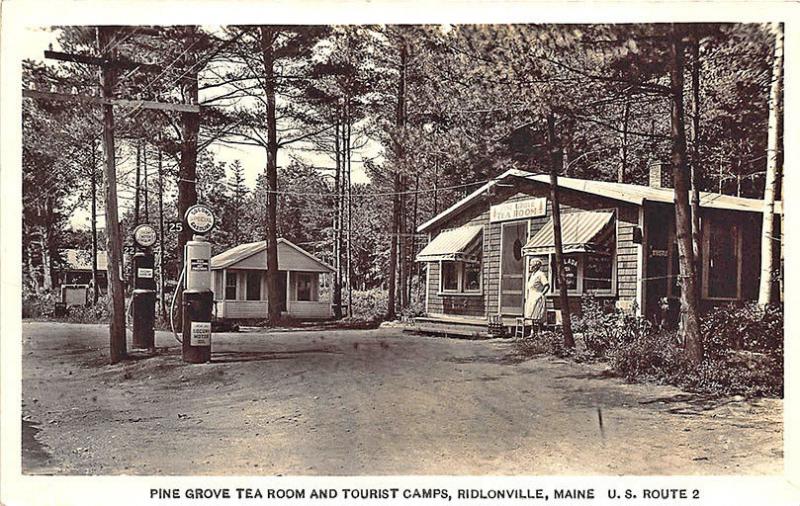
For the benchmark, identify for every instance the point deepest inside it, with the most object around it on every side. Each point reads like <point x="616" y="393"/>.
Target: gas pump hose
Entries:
<point x="172" y="306"/>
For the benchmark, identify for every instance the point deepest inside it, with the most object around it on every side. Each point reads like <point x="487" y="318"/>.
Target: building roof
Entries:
<point x="81" y="259"/>
<point x="580" y="231"/>
<point x="290" y="257"/>
<point x="624" y="192"/>
<point x="450" y="245"/>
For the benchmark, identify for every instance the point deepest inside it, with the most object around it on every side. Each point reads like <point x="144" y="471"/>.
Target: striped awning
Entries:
<point x="580" y="232"/>
<point x="452" y="245"/>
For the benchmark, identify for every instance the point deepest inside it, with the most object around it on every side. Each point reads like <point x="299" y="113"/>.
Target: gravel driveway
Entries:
<point x="367" y="402"/>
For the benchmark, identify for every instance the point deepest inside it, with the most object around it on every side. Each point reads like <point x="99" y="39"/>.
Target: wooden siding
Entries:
<point x="627" y="217"/>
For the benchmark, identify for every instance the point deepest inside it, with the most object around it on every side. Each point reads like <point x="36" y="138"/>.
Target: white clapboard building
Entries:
<point x="240" y="282"/>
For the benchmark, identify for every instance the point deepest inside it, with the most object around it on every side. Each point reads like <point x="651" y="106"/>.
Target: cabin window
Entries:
<point x="598" y="271"/>
<point x="253" y="285"/>
<point x="450" y="276"/>
<point x="304" y="282"/>
<point x="722" y="257"/>
<point x="230" y="285"/>
<point x="572" y="265"/>
<point x="585" y="272"/>
<point x="463" y="276"/>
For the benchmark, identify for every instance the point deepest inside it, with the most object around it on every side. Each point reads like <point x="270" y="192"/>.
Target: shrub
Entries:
<point x="370" y="305"/>
<point x="743" y="327"/>
<point x="98" y="313"/>
<point x="549" y="342"/>
<point x="37" y="304"/>
<point x="603" y="326"/>
<point x="646" y="356"/>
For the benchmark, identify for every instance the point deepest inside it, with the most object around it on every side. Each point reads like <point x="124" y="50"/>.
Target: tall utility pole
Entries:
<point x="109" y="65"/>
<point x="161" y="275"/>
<point x="93" y="168"/>
<point x="105" y="38"/>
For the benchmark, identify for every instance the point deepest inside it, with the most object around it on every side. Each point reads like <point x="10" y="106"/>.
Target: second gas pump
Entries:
<point x="198" y="299"/>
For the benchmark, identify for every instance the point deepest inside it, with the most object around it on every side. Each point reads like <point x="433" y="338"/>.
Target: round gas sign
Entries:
<point x="200" y="218"/>
<point x="144" y="235"/>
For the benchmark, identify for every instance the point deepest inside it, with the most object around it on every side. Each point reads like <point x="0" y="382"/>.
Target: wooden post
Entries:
<point x="105" y="37"/>
<point x="566" y="324"/>
<point x="93" y="162"/>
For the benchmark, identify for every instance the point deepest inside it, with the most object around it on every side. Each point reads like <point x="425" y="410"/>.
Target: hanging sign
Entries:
<point x="200" y="219"/>
<point x="144" y="235"/>
<point x="528" y="208"/>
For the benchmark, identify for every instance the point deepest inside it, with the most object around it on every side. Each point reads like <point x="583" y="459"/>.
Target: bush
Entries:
<point x="37" y="304"/>
<point x="370" y="305"/>
<point x="549" y="342"/>
<point x="743" y="327"/>
<point x="604" y="326"/>
<point x="646" y="356"/>
<point x="98" y="313"/>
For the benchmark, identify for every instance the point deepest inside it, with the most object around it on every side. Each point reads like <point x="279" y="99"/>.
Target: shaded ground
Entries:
<point x="366" y="402"/>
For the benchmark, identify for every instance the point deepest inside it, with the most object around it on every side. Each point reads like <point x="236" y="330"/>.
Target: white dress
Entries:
<point x="534" y="296"/>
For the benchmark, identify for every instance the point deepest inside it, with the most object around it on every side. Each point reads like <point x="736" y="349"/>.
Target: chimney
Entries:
<point x="660" y="175"/>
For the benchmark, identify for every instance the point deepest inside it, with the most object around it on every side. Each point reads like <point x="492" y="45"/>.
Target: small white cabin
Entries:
<point x="240" y="282"/>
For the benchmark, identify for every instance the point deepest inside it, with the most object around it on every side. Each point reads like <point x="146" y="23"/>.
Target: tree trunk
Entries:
<point x="337" y="222"/>
<point x="137" y="191"/>
<point x="161" y="274"/>
<point x="273" y="289"/>
<point x="683" y="225"/>
<point x="105" y="36"/>
<point x="396" y="230"/>
<point x="144" y="184"/>
<point x="696" y="170"/>
<point x="623" y="149"/>
<point x="566" y="323"/>
<point x="93" y="168"/>
<point x="349" y="153"/>
<point x="766" y="293"/>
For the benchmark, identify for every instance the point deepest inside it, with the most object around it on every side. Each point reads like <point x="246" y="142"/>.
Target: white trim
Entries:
<point x="641" y="265"/>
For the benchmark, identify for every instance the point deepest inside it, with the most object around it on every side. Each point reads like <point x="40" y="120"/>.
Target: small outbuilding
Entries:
<point x="239" y="282"/>
<point x="618" y="242"/>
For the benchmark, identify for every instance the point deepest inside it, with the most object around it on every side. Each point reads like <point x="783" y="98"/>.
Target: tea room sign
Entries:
<point x="528" y="208"/>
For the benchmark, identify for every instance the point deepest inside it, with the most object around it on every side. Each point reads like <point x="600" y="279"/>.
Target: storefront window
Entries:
<point x="449" y="276"/>
<point x="597" y="272"/>
<point x="571" y="267"/>
<point x="472" y="277"/>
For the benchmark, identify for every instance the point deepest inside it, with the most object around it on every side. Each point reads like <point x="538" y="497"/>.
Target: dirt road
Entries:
<point x="366" y="403"/>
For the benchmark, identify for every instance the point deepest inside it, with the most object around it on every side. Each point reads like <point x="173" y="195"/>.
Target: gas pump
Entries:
<point x="198" y="299"/>
<point x="144" y="288"/>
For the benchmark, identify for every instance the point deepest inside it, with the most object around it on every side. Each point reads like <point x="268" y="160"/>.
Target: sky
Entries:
<point x="253" y="159"/>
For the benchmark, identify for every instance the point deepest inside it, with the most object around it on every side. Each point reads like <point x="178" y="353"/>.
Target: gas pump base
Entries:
<point x="144" y="311"/>
<point x="197" y="305"/>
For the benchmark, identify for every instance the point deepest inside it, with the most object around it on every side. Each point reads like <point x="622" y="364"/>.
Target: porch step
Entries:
<point x="463" y="330"/>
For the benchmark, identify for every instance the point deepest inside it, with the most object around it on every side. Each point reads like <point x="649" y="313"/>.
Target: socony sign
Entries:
<point x="200" y="218"/>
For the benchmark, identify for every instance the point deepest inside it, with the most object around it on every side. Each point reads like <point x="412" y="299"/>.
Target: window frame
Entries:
<point x="579" y="289"/>
<point x="231" y="276"/>
<point x="299" y="277"/>
<point x="708" y="224"/>
<point x="460" y="267"/>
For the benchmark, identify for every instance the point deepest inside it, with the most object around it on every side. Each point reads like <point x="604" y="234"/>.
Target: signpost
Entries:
<point x="198" y="299"/>
<point x="144" y="284"/>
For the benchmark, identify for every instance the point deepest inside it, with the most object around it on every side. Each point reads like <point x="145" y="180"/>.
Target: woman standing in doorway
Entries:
<point x="536" y="288"/>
